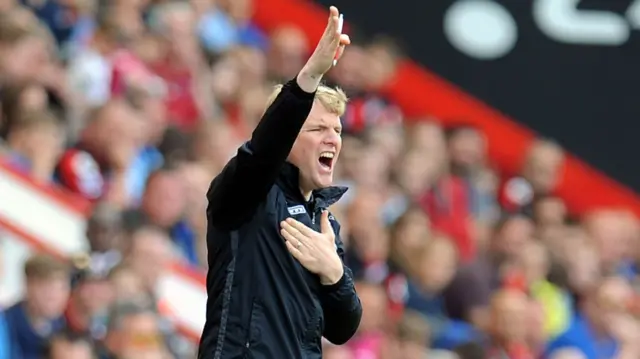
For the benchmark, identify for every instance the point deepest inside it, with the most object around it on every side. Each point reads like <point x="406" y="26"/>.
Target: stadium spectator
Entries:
<point x="127" y="285"/>
<point x="368" y="341"/>
<point x="36" y="142"/>
<point x="179" y="62"/>
<point x="148" y="256"/>
<point x="22" y="48"/>
<point x="91" y="298"/>
<point x="90" y="69"/>
<point x="604" y="327"/>
<point x="97" y="167"/>
<point x="67" y="345"/>
<point x="18" y="98"/>
<point x="413" y="336"/>
<point x="32" y="321"/>
<point x="509" y="325"/>
<point x="134" y="332"/>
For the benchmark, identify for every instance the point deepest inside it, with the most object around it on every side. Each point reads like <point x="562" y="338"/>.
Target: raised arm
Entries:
<point x="245" y="181"/>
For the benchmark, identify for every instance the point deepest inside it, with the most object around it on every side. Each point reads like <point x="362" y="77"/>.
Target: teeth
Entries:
<point x="327" y="154"/>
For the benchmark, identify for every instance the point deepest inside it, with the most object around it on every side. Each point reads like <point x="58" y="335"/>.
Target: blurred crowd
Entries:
<point x="135" y="105"/>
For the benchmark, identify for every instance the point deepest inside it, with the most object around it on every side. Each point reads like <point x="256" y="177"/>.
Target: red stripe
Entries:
<point x="38" y="246"/>
<point x="189" y="274"/>
<point x="420" y="92"/>
<point x="58" y="194"/>
<point x="83" y="207"/>
<point x="181" y="328"/>
<point x="33" y="242"/>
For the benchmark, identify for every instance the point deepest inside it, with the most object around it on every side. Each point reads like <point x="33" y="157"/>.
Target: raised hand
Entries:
<point x="332" y="42"/>
<point x="330" y="47"/>
<point x="316" y="251"/>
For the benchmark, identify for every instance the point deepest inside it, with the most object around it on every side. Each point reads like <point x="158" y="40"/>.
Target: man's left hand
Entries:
<point x="316" y="251"/>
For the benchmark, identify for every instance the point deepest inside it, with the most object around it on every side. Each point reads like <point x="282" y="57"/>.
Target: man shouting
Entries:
<point x="276" y="280"/>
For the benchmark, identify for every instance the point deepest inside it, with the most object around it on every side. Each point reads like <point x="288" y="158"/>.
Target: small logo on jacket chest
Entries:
<point x="295" y="210"/>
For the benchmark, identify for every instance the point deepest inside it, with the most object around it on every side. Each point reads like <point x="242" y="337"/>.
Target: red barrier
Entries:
<point x="420" y="92"/>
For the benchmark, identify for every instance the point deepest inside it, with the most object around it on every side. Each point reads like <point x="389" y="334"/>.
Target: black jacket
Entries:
<point x="262" y="303"/>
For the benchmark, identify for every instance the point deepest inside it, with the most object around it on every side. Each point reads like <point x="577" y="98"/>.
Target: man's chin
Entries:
<point x="324" y="181"/>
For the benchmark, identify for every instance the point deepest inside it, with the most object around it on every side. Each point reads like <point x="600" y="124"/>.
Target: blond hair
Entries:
<point x="332" y="99"/>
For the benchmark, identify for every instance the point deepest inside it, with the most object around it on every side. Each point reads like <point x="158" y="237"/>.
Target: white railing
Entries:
<point x="35" y="218"/>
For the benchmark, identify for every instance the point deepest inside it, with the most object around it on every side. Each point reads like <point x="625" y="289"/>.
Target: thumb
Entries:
<point x="325" y="225"/>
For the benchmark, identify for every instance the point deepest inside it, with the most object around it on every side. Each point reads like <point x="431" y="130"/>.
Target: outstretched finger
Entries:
<point x="332" y="25"/>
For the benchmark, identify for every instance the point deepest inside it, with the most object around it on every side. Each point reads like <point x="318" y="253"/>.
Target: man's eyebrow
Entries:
<point x="319" y="122"/>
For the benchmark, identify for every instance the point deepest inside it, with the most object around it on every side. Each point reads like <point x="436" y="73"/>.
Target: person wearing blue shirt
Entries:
<point x="4" y="338"/>
<point x="31" y="322"/>
<point x="58" y="17"/>
<point x="424" y="294"/>
<point x="446" y="333"/>
<point x="148" y="160"/>
<point x="582" y="336"/>
<point x="592" y="330"/>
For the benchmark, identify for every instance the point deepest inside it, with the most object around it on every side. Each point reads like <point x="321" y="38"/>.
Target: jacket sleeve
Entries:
<point x="245" y="181"/>
<point x="341" y="304"/>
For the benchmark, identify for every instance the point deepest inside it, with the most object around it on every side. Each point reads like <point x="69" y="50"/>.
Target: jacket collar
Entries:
<point x="289" y="182"/>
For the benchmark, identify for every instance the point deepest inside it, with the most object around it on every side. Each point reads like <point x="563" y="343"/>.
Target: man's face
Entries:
<point x="104" y="232"/>
<point x="374" y="302"/>
<point x="150" y="255"/>
<point x="514" y="235"/>
<point x="411" y="350"/>
<point x="49" y="295"/>
<point x="510" y="311"/>
<point x="139" y="337"/>
<point x="94" y="296"/>
<point x="61" y="349"/>
<point x="127" y="285"/>
<point x="25" y="56"/>
<point x="165" y="200"/>
<point x="467" y="148"/>
<point x="317" y="147"/>
<point x="441" y="259"/>
<point x="287" y="52"/>
<point x="611" y="299"/>
<point x="46" y="143"/>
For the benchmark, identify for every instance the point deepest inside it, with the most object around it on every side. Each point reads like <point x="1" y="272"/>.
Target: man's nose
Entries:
<point x="333" y="138"/>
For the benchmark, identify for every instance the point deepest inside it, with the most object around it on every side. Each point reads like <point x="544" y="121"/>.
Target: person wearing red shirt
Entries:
<point x="510" y="325"/>
<point x="447" y="205"/>
<point x="96" y="168"/>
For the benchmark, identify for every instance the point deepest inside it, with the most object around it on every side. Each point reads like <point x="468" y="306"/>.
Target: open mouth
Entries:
<point x="326" y="160"/>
